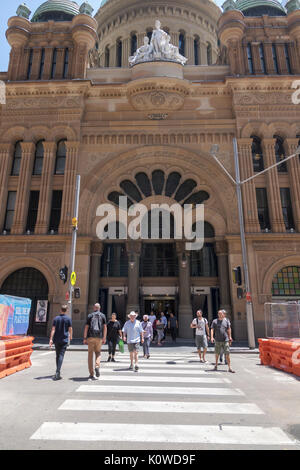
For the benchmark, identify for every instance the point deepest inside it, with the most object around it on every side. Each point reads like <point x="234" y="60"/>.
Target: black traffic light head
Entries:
<point x="63" y="274"/>
<point x="237" y="276"/>
<point x="77" y="292"/>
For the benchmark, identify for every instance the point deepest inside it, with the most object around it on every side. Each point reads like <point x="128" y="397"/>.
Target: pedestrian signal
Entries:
<point x="63" y="274"/>
<point x="237" y="276"/>
<point x="77" y="292"/>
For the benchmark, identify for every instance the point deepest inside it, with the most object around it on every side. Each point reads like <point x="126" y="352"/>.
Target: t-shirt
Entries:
<point x="62" y="323"/>
<point x="164" y="320"/>
<point x="200" y="330"/>
<point x="133" y="331"/>
<point x="152" y="318"/>
<point x="113" y="327"/>
<point x="173" y="321"/>
<point x="102" y="321"/>
<point x="220" y="328"/>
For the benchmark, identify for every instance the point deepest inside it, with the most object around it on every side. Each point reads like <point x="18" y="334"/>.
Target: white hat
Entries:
<point x="131" y="314"/>
<point x="145" y="316"/>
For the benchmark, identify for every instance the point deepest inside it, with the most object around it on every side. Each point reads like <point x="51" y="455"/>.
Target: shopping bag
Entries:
<point x="121" y="346"/>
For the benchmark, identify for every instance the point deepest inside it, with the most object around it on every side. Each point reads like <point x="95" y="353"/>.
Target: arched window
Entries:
<point x="29" y="68"/>
<point x="262" y="58"/>
<point x="149" y="34"/>
<point x="66" y="63"/>
<point x="209" y="54"/>
<point x="250" y="58"/>
<point x="60" y="161"/>
<point x="286" y="282"/>
<point x="280" y="154"/>
<point x="203" y="263"/>
<point x="106" y="63"/>
<point x="42" y="64"/>
<point x="15" y="170"/>
<point x="257" y="154"/>
<point x="158" y="260"/>
<point x="119" y="53"/>
<point x="275" y="60"/>
<point x="197" y="51"/>
<point x="182" y="43"/>
<point x="114" y="260"/>
<point x="133" y="44"/>
<point x="38" y="158"/>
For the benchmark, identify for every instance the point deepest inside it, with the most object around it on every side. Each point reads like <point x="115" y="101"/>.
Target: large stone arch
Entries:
<point x="104" y="176"/>
<point x="13" y="265"/>
<point x="277" y="266"/>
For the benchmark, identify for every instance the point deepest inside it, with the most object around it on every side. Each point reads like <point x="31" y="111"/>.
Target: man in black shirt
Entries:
<point x="61" y="335"/>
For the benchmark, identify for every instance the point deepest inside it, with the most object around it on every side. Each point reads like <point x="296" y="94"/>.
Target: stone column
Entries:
<point x="133" y="250"/>
<point x="174" y="38"/>
<point x="256" y="58"/>
<point x="140" y="39"/>
<point x="24" y="64"/>
<point x="189" y="53"/>
<point x="94" y="278"/>
<point x="6" y="151"/>
<point x="269" y="58"/>
<point x="36" y="63"/>
<point x="293" y="57"/>
<point x="221" y="249"/>
<point x="185" y="312"/>
<point x="294" y="178"/>
<point x="125" y="52"/>
<point x="60" y="57"/>
<point x="48" y="63"/>
<point x="281" y="59"/>
<point x="248" y="189"/>
<point x="24" y="180"/>
<point x="112" y="56"/>
<point x="45" y="199"/>
<point x="16" y="55"/>
<point x="67" y="208"/>
<point x="274" y="200"/>
<point x="203" y="52"/>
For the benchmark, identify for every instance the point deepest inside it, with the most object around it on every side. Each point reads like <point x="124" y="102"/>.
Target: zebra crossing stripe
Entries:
<point x="158" y="371"/>
<point x="160" y="379"/>
<point x="158" y="390"/>
<point x="161" y="406"/>
<point x="176" y="434"/>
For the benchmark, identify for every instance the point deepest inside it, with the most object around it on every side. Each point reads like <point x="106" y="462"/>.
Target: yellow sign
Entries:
<point x="74" y="222"/>
<point x="73" y="278"/>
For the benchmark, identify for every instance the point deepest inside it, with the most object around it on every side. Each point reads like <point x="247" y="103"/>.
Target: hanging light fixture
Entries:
<point x="131" y="261"/>
<point x="184" y="260"/>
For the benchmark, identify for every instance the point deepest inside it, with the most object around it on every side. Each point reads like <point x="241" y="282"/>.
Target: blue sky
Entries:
<point x="9" y="9"/>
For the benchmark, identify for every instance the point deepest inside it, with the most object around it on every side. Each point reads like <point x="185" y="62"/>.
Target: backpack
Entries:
<point x="96" y="325"/>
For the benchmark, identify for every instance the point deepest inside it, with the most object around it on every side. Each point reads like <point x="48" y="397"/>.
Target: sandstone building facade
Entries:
<point x="74" y="106"/>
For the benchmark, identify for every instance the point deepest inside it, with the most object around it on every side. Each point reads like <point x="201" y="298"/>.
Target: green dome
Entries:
<point x="57" y="10"/>
<point x="260" y="7"/>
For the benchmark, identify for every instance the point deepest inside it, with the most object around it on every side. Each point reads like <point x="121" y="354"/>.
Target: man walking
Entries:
<point x="202" y="332"/>
<point x="61" y="335"/>
<point x="133" y="334"/>
<point x="94" y="336"/>
<point x="221" y="335"/>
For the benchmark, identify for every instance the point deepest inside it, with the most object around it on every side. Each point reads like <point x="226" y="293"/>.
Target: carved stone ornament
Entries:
<point x="158" y="49"/>
<point x="157" y="94"/>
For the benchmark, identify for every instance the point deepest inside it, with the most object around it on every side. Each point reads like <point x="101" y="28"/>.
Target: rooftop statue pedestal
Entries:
<point x="157" y="68"/>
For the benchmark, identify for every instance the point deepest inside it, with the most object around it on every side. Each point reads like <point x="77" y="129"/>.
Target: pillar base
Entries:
<point x="185" y="317"/>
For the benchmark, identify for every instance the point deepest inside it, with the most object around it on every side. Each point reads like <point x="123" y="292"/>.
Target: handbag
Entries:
<point x="121" y="346"/>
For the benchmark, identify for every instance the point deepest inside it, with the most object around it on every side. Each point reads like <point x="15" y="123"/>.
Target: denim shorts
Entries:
<point x="201" y="341"/>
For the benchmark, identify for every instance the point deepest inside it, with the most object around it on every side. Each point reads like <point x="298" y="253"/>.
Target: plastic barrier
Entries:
<point x="283" y="354"/>
<point x="15" y="352"/>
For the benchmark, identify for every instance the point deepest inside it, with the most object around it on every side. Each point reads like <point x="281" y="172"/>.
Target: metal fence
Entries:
<point x="282" y="320"/>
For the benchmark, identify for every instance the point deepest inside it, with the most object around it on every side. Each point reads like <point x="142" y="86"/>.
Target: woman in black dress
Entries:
<point x="114" y="333"/>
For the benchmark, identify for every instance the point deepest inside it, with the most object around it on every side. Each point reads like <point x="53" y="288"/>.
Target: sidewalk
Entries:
<point x="181" y="345"/>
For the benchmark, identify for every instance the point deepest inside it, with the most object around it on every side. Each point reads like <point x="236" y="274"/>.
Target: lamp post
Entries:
<point x="238" y="184"/>
<point x="73" y="244"/>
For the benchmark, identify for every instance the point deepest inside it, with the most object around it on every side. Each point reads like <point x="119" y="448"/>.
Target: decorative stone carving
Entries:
<point x="158" y="49"/>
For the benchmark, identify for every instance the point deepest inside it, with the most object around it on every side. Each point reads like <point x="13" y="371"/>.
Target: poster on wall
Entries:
<point x="14" y="315"/>
<point x="41" y="311"/>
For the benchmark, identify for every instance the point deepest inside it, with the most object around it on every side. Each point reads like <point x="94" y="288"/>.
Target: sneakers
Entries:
<point x="131" y="367"/>
<point x="57" y="377"/>
<point x="113" y="359"/>
<point x="109" y="359"/>
<point x="92" y="378"/>
<point x="136" y="368"/>
<point x="97" y="371"/>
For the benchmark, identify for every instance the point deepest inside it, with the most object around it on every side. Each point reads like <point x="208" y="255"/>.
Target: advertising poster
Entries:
<point x="14" y="315"/>
<point x="41" y="311"/>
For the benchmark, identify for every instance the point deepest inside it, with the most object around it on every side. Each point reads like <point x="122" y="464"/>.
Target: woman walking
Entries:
<point x="114" y="333"/>
<point x="148" y="335"/>
<point x="160" y="325"/>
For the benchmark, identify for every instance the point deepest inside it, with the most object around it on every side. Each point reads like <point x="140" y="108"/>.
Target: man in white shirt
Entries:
<point x="202" y="333"/>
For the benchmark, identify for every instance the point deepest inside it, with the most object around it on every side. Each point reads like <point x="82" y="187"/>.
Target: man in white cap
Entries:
<point x="133" y="334"/>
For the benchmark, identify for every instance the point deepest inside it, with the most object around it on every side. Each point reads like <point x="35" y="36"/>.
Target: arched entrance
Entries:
<point x="30" y="283"/>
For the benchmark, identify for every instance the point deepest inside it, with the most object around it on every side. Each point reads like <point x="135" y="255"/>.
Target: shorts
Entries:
<point x="222" y="348"/>
<point x="201" y="341"/>
<point x="133" y="347"/>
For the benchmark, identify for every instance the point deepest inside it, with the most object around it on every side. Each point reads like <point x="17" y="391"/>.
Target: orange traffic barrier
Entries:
<point x="284" y="354"/>
<point x="15" y="352"/>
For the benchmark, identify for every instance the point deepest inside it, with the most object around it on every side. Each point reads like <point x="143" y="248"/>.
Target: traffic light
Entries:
<point x="237" y="276"/>
<point x="63" y="274"/>
<point x="77" y="292"/>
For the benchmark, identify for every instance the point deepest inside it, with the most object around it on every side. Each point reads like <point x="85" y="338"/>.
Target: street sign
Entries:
<point x="63" y="274"/>
<point x="73" y="278"/>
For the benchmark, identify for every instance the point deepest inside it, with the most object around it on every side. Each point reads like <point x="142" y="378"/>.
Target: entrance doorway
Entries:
<point x="159" y="304"/>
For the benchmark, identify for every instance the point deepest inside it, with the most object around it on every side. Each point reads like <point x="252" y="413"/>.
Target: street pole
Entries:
<point x="249" y="307"/>
<point x="73" y="245"/>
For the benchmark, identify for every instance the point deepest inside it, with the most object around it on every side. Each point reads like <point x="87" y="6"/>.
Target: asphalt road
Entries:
<point x="173" y="402"/>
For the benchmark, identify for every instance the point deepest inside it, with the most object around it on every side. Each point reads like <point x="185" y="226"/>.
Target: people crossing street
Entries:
<point x="114" y="333"/>
<point x="202" y="333"/>
<point x="133" y="334"/>
<point x="148" y="335"/>
<point x="94" y="336"/>
<point x="60" y="336"/>
<point x="173" y="326"/>
<point x="221" y="336"/>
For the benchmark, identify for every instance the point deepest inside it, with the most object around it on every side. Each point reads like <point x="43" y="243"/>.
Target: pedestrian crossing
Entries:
<point x="170" y="400"/>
